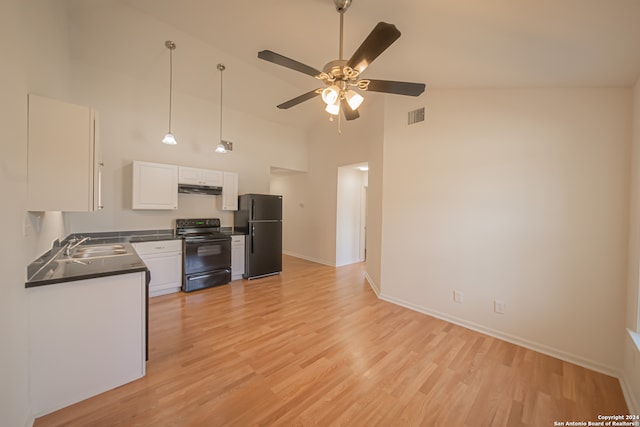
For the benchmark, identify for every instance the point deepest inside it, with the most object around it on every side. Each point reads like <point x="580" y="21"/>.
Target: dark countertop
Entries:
<point x="54" y="267"/>
<point x="59" y="268"/>
<point x="231" y="231"/>
<point x="129" y="236"/>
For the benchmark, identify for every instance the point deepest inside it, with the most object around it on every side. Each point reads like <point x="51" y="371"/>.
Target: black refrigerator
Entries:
<point x="259" y="217"/>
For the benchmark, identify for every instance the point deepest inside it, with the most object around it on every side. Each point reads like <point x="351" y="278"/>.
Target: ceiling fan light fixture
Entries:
<point x="354" y="99"/>
<point x="341" y="76"/>
<point x="331" y="94"/>
<point x="333" y="109"/>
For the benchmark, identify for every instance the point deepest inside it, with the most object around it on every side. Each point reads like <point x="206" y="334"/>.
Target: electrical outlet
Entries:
<point x="499" y="306"/>
<point x="458" y="296"/>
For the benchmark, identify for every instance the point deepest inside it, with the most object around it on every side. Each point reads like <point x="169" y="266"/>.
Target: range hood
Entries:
<point x="199" y="189"/>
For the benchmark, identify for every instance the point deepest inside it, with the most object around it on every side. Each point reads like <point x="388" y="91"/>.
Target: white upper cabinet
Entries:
<point x="230" y="191"/>
<point x="155" y="186"/>
<point x="196" y="176"/>
<point x="64" y="171"/>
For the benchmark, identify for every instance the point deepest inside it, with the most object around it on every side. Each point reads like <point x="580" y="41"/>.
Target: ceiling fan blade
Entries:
<point x="381" y="37"/>
<point x="276" y="58"/>
<point x="399" y="88"/>
<point x="349" y="114"/>
<point x="299" y="99"/>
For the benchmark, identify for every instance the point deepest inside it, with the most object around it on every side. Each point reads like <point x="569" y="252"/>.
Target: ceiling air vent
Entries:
<point x="416" y="116"/>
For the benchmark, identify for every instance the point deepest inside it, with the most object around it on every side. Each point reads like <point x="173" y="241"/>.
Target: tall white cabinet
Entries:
<point x="64" y="163"/>
<point x="230" y="191"/>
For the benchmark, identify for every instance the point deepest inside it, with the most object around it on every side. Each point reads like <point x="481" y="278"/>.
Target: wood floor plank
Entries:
<point x="315" y="346"/>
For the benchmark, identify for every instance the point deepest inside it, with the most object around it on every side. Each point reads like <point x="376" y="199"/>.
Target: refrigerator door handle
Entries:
<point x="253" y="209"/>
<point x="253" y="231"/>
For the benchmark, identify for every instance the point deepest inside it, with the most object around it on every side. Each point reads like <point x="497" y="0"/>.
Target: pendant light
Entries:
<point x="169" y="139"/>
<point x="223" y="146"/>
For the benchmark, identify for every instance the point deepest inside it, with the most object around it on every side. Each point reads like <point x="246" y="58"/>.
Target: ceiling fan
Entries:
<point x="341" y="77"/>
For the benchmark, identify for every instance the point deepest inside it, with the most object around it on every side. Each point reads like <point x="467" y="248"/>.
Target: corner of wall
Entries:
<point x="630" y="375"/>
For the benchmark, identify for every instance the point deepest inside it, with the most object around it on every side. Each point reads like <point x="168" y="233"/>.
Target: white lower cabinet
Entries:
<point x="164" y="261"/>
<point x="237" y="257"/>
<point x="85" y="337"/>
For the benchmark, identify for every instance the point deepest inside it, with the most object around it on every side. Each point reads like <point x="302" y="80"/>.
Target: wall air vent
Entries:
<point x="416" y="116"/>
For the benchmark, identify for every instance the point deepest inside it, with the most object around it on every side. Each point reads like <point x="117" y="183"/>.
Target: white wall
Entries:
<point x="133" y="114"/>
<point x="291" y="187"/>
<point x="310" y="199"/>
<point x="631" y="370"/>
<point x="35" y="59"/>
<point x="517" y="195"/>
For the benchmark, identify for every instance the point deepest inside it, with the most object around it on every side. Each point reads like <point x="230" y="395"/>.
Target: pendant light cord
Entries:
<point x="221" y="67"/>
<point x="171" y="46"/>
<point x="170" y="84"/>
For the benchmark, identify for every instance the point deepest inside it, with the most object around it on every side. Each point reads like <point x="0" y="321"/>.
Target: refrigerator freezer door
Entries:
<point x="263" y="249"/>
<point x="265" y="207"/>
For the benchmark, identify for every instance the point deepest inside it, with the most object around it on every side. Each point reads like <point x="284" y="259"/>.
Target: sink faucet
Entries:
<point x="73" y="243"/>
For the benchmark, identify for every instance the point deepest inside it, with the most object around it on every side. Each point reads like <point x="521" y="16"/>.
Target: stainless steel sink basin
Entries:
<point x="99" y="251"/>
<point x="99" y="254"/>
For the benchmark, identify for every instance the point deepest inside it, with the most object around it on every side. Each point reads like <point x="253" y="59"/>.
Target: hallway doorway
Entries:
<point x="351" y="214"/>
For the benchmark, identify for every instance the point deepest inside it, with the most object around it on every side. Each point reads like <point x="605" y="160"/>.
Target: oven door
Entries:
<point x="206" y="255"/>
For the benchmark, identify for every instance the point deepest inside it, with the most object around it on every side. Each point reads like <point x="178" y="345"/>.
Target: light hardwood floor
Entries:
<point x="314" y="346"/>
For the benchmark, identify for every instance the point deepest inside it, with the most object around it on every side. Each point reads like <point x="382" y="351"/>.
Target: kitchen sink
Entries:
<point x="98" y="251"/>
<point x="99" y="254"/>
<point x="99" y="248"/>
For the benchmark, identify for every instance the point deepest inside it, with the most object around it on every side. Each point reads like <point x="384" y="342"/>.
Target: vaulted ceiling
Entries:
<point x="445" y="44"/>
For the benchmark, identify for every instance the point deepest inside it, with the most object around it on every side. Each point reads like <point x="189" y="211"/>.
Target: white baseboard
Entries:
<point x="559" y="354"/>
<point x="372" y="284"/>
<point x="29" y="421"/>
<point x="629" y="397"/>
<point x="308" y="258"/>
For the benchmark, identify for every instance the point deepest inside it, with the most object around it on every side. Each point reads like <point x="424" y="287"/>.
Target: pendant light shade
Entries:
<point x="169" y="139"/>
<point x="354" y="99"/>
<point x="333" y="109"/>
